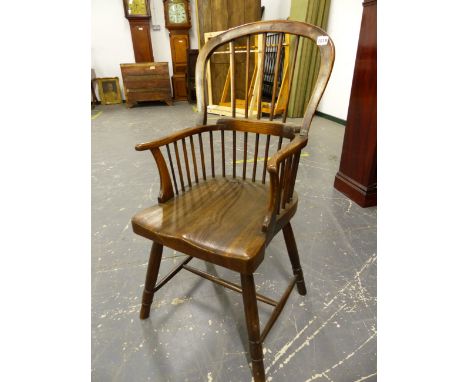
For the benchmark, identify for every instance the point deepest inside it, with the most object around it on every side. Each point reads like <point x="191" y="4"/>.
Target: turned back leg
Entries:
<point x="151" y="277"/>
<point x="294" y="257"/>
<point x="253" y="327"/>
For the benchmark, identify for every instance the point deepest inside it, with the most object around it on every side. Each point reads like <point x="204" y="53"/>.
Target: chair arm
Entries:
<point x="273" y="166"/>
<point x="175" y="137"/>
<point x="166" y="188"/>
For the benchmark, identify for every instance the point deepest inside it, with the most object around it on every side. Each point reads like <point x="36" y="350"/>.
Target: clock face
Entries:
<point x="137" y="8"/>
<point x="177" y="14"/>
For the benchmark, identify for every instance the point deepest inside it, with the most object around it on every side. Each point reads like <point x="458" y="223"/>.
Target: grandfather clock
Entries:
<point x="138" y="15"/>
<point x="177" y="15"/>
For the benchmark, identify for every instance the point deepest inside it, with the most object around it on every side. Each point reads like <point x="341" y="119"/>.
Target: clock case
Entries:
<point x="180" y="43"/>
<point x="141" y="36"/>
<point x="172" y="26"/>
<point x="137" y="17"/>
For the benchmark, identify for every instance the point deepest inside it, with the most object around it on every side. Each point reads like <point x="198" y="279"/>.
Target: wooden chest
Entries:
<point x="147" y="81"/>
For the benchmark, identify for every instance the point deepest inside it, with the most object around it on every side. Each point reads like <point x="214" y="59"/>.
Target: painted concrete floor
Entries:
<point x="196" y="331"/>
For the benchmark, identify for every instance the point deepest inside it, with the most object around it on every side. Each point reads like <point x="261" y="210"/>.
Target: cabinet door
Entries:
<point x="179" y="46"/>
<point x="180" y="86"/>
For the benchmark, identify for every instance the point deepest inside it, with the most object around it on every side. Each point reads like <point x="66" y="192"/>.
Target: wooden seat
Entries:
<point x="206" y="220"/>
<point x="227" y="189"/>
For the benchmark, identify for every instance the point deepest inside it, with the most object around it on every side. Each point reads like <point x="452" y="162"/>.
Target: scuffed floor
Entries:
<point x="196" y="331"/>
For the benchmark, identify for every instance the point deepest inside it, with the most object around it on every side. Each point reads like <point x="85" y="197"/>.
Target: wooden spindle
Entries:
<point x="212" y="155"/>
<point x="174" y="179"/>
<point x="187" y="167"/>
<point x="223" y="154"/>
<point x="233" y="78"/>
<point x="247" y="65"/>
<point x="265" y="160"/>
<point x="280" y="143"/>
<point x="291" y="75"/>
<point x="202" y="155"/>
<point x="194" y="158"/>
<point x="287" y="181"/>
<point x="233" y="153"/>
<point x="254" y="171"/>
<point x="245" y="156"/>
<point x="279" y="48"/>
<point x="280" y="187"/>
<point x="179" y="167"/>
<point x="295" y="167"/>
<point x="261" y="63"/>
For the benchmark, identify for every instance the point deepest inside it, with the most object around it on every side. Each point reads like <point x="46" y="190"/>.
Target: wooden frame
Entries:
<point x="109" y="90"/>
<point x="207" y="213"/>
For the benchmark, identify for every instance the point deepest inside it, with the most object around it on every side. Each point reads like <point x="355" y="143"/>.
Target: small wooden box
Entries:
<point x="147" y="81"/>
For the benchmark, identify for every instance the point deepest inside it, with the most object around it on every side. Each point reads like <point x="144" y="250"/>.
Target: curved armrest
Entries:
<point x="175" y="137"/>
<point x="166" y="187"/>
<point x="295" y="146"/>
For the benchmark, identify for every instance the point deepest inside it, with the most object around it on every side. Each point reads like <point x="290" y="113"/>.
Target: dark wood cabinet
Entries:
<point x="357" y="176"/>
<point x="146" y="82"/>
<point x="192" y="55"/>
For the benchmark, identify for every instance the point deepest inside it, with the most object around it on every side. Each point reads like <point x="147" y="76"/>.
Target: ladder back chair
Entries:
<point x="226" y="213"/>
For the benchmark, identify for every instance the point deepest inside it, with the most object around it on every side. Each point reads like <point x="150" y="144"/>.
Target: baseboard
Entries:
<point x="331" y="118"/>
<point x="360" y="194"/>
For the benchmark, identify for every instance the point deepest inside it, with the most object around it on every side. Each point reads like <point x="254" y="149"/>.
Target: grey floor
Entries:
<point x="196" y="331"/>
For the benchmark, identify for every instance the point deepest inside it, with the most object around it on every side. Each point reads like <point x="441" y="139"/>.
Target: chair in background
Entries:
<point x="223" y="212"/>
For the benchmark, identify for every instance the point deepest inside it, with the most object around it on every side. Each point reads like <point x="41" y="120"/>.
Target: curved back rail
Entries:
<point x="262" y="28"/>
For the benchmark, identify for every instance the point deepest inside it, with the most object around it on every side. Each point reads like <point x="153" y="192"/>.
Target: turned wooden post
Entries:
<point x="253" y="327"/>
<point x="151" y="277"/>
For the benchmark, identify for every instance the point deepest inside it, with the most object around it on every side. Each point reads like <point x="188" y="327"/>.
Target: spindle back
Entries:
<point x="263" y="28"/>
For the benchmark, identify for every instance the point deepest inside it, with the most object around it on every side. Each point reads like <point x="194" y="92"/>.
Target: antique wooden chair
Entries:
<point x="229" y="219"/>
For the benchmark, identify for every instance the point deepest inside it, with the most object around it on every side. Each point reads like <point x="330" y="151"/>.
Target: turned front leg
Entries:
<point x="151" y="277"/>
<point x="294" y="257"/>
<point x="253" y="327"/>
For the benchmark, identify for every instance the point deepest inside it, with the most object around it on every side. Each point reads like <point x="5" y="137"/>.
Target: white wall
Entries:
<point x="344" y="23"/>
<point x="276" y="9"/>
<point x="111" y="40"/>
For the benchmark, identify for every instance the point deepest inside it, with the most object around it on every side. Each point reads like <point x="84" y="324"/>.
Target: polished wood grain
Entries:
<point x="357" y="176"/>
<point x="229" y="217"/>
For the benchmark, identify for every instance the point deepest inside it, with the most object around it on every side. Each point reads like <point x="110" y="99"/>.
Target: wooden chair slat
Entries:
<point x="187" y="167"/>
<point x="202" y="155"/>
<point x="172" y="170"/>
<point x="261" y="64"/>
<point x="179" y="167"/>
<point x="194" y="158"/>
<point x="233" y="153"/>
<point x="265" y="160"/>
<point x="254" y="170"/>
<point x="223" y="154"/>
<point x="244" y="168"/>
<point x="279" y="48"/>
<point x="291" y="77"/>
<point x="247" y="67"/>
<point x="212" y="155"/>
<point x="232" y="73"/>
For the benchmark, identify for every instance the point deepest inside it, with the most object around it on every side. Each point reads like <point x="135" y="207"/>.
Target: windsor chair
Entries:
<point x="219" y="213"/>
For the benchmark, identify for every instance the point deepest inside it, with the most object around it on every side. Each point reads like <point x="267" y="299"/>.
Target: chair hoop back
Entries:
<point x="299" y="29"/>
